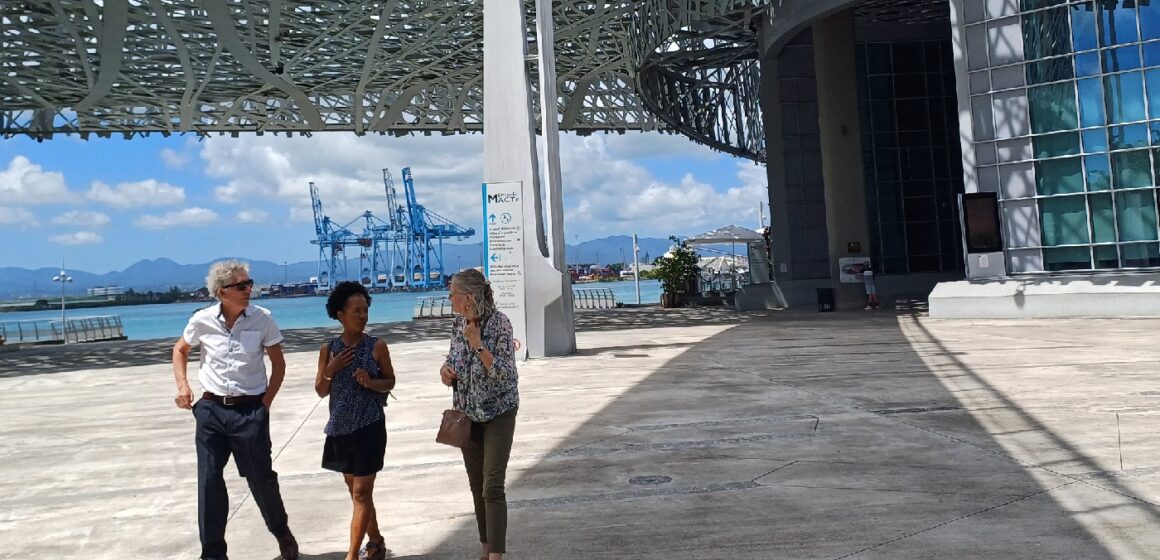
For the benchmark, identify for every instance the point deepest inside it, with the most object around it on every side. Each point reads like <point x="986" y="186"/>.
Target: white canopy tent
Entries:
<point x="756" y="259"/>
<point x="727" y="234"/>
<point x="733" y="235"/>
<point x="723" y="263"/>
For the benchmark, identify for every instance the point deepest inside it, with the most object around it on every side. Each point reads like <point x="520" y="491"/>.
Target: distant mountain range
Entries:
<point x="161" y="274"/>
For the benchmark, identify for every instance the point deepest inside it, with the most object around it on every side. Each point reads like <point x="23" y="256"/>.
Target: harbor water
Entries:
<point x="142" y="322"/>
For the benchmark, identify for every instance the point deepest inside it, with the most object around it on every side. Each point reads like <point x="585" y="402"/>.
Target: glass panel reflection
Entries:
<point x="1117" y="23"/>
<point x="1150" y="20"/>
<point x="1064" y="220"/>
<point x="1140" y="255"/>
<point x="1055" y="145"/>
<point x="1053" y="107"/>
<point x="1131" y="170"/>
<point x="1095" y="141"/>
<point x="1087" y="64"/>
<point x="1046" y="34"/>
<point x="1127" y="137"/>
<point x="1107" y="257"/>
<point x="1136" y="215"/>
<point x="1066" y="258"/>
<point x="1124" y="97"/>
<point x="1121" y="59"/>
<point x="1103" y="221"/>
<point x="1099" y="172"/>
<point x="1083" y="26"/>
<point x="1058" y="176"/>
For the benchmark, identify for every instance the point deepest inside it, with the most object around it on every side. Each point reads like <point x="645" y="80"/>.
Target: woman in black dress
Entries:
<point x="355" y="370"/>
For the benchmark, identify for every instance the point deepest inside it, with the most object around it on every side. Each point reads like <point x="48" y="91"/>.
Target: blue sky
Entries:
<point x="104" y="204"/>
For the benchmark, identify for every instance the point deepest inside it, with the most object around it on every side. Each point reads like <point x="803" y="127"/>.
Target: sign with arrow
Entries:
<point x="503" y="260"/>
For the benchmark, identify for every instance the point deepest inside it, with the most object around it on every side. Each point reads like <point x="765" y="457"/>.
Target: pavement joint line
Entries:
<point x="791" y="463"/>
<point x="729" y="422"/>
<point x="955" y="520"/>
<point x="597" y="442"/>
<point x="920" y="410"/>
<point x="584" y="452"/>
<point x="1138" y="472"/>
<point x="630" y="494"/>
<point x="881" y="490"/>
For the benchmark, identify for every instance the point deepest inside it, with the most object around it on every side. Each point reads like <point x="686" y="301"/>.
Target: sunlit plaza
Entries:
<point x="995" y="160"/>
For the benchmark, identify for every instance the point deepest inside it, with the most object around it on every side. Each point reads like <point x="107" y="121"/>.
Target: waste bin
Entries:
<point x="825" y="299"/>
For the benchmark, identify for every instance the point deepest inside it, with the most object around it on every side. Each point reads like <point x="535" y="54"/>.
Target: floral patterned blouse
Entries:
<point x="481" y="394"/>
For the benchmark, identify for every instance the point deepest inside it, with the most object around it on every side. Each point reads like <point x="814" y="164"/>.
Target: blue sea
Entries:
<point x="143" y="322"/>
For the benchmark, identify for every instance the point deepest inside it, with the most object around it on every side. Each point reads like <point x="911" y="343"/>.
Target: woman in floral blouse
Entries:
<point x="481" y="369"/>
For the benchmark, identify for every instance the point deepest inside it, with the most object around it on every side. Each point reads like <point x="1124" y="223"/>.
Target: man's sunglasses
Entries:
<point x="241" y="286"/>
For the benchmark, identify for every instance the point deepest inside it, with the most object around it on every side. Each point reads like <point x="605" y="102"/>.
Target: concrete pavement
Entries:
<point x="675" y="434"/>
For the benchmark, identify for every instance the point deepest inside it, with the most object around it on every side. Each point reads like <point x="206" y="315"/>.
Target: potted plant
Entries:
<point x="677" y="271"/>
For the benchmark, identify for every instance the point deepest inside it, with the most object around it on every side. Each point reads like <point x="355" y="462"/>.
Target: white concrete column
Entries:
<point x="509" y="151"/>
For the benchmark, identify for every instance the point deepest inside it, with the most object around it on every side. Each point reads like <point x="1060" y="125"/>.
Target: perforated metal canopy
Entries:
<point x="396" y="66"/>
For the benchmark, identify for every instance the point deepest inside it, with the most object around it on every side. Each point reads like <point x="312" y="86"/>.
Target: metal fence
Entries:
<point x="80" y="329"/>
<point x="439" y="307"/>
<point x="432" y="307"/>
<point x="602" y="298"/>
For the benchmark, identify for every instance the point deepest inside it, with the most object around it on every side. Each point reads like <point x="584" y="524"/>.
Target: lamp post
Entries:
<point x="63" y="279"/>
<point x="636" y="267"/>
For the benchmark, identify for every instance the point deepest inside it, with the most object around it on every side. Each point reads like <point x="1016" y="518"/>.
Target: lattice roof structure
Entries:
<point x="136" y="67"/>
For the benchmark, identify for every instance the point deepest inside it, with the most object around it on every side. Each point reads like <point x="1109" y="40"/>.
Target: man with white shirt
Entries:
<point x="233" y="414"/>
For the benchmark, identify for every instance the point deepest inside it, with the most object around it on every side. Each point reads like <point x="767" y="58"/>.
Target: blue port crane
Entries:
<point x="416" y="239"/>
<point x="404" y="252"/>
<point x="332" y="241"/>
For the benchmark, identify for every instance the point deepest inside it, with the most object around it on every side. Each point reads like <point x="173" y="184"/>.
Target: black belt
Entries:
<point x="232" y="401"/>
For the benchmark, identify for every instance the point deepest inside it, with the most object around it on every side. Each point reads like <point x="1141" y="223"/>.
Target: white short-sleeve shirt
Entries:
<point x="231" y="359"/>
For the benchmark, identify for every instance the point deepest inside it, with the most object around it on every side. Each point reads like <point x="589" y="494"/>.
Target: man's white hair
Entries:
<point x="222" y="273"/>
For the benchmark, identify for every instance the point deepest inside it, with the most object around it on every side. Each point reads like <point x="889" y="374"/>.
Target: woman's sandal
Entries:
<point x="374" y="550"/>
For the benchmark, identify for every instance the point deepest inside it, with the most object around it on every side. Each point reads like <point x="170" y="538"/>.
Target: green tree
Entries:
<point x="677" y="270"/>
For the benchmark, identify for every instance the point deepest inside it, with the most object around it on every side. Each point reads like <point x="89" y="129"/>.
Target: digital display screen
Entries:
<point x="984" y="233"/>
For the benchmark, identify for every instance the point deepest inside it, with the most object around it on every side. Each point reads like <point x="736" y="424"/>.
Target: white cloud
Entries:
<point x="174" y="159"/>
<point x="189" y="217"/>
<point x="24" y="182"/>
<point x="17" y="217"/>
<point x="347" y="171"/>
<point x="78" y="238"/>
<point x="253" y="216"/>
<point x="606" y="194"/>
<point x="80" y="218"/>
<point x="150" y="192"/>
<point x="608" y="186"/>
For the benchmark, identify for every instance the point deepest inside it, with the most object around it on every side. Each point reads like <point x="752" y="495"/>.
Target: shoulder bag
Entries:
<point x="455" y="429"/>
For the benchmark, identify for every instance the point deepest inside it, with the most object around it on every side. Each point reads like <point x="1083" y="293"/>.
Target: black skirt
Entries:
<point x="359" y="453"/>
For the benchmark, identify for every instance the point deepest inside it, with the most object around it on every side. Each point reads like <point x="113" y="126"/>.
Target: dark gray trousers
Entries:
<point x="244" y="432"/>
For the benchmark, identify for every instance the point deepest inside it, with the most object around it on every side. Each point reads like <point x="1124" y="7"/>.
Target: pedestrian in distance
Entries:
<point x="481" y="369"/>
<point x="871" y="289"/>
<point x="233" y="414"/>
<point x="355" y="371"/>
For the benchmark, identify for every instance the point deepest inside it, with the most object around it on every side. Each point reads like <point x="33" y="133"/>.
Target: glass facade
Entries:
<point x="912" y="155"/>
<point x="1065" y="107"/>
<point x="801" y="148"/>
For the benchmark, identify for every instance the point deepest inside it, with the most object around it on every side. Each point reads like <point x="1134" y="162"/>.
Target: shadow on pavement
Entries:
<point x="806" y="436"/>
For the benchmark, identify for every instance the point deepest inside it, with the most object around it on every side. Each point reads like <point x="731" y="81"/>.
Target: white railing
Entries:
<point x="79" y="329"/>
<point x="593" y="299"/>
<point x="432" y="307"/>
